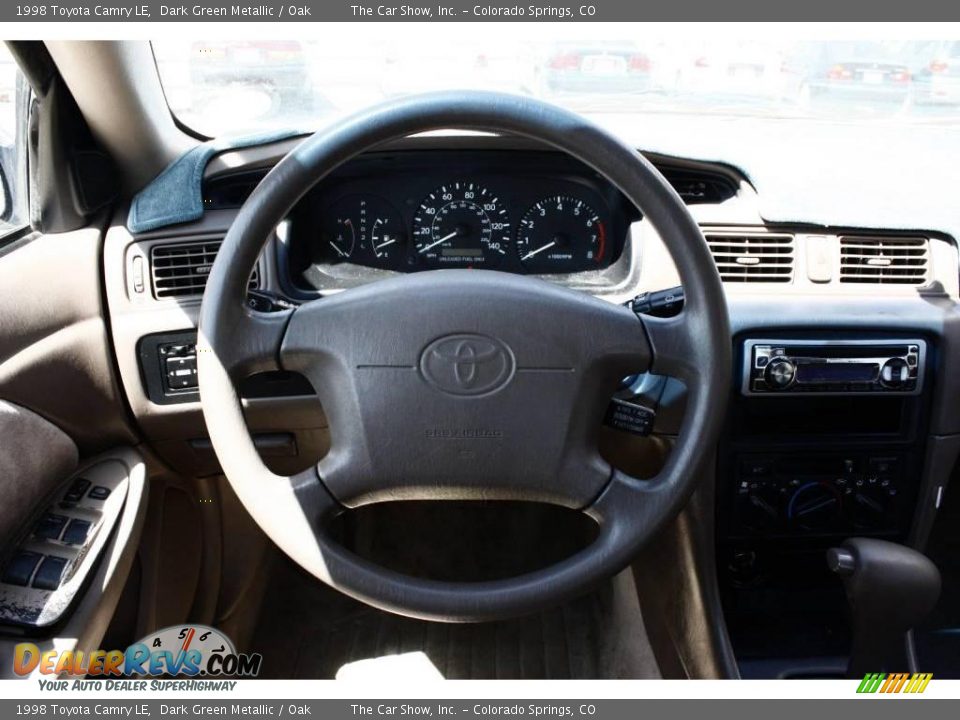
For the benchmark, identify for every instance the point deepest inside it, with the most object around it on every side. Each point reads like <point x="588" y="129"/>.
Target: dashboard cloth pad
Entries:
<point x="176" y="195"/>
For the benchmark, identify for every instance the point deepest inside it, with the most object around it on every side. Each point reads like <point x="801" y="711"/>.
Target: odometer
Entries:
<point x="561" y="234"/>
<point x="461" y="225"/>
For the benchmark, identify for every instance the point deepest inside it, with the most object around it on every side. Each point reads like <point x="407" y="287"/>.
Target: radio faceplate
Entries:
<point x="777" y="367"/>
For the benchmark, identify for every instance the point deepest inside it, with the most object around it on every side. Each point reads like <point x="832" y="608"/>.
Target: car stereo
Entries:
<point x="828" y="367"/>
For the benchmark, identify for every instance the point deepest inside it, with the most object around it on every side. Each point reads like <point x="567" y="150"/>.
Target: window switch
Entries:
<point x="77" y="488"/>
<point x="76" y="532"/>
<point x="21" y="567"/>
<point x="99" y="492"/>
<point x="50" y="526"/>
<point x="50" y="573"/>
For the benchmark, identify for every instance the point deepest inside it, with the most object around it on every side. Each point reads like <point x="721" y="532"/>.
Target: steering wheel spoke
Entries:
<point x="675" y="345"/>
<point x="249" y="344"/>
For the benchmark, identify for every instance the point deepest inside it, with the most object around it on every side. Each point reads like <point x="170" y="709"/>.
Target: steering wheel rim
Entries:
<point x="294" y="512"/>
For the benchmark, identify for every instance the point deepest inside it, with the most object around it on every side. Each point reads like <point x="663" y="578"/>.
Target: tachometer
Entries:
<point x="561" y="234"/>
<point x="461" y="225"/>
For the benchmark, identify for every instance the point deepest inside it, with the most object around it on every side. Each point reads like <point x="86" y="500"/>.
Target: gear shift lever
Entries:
<point x="891" y="588"/>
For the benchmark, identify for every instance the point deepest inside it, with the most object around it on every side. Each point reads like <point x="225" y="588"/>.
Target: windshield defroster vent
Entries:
<point x="181" y="269"/>
<point x="884" y="260"/>
<point x="761" y="257"/>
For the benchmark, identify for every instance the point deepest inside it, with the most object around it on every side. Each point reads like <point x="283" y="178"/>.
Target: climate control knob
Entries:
<point x="780" y="373"/>
<point x="815" y="506"/>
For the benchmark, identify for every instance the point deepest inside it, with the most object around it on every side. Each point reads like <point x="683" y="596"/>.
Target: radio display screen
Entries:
<point x="837" y="372"/>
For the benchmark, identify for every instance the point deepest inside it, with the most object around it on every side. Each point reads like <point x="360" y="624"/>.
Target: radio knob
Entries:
<point x="894" y="373"/>
<point x="780" y="373"/>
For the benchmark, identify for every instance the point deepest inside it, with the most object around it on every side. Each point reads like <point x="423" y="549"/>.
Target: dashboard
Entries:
<point x="535" y="213"/>
<point x="797" y="469"/>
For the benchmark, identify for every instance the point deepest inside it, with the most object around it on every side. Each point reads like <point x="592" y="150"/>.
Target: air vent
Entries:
<point x="884" y="260"/>
<point x="230" y="191"/>
<point x="696" y="188"/>
<point x="764" y="258"/>
<point x="182" y="269"/>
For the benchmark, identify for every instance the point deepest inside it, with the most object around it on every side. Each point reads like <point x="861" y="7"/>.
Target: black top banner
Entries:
<point x="473" y="11"/>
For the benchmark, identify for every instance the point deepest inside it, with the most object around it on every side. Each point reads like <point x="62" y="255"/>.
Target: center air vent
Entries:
<point x="765" y="258"/>
<point x="884" y="260"/>
<point x="182" y="269"/>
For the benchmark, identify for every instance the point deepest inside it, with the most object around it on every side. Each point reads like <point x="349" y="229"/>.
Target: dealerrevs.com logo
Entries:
<point x="177" y="651"/>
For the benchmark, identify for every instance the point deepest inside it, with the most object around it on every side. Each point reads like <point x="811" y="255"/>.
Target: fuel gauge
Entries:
<point x="386" y="237"/>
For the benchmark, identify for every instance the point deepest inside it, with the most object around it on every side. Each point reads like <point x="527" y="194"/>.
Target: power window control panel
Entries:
<point x="59" y="547"/>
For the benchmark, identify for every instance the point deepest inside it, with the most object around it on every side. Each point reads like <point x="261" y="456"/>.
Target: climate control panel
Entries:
<point x="793" y="494"/>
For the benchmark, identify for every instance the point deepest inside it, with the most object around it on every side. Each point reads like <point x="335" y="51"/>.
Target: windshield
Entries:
<point x="219" y="86"/>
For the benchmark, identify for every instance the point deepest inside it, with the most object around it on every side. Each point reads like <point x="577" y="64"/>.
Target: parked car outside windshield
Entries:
<point x="221" y="87"/>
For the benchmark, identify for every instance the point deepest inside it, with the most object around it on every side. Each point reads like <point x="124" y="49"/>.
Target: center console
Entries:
<point x="825" y="442"/>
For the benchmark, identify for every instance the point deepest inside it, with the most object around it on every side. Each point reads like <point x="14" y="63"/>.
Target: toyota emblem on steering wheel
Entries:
<point x="467" y="364"/>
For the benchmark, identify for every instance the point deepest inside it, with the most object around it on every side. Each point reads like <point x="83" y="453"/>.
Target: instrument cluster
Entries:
<point x="525" y="212"/>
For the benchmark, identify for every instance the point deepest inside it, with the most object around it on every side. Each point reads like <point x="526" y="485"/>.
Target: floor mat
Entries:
<point x="307" y="630"/>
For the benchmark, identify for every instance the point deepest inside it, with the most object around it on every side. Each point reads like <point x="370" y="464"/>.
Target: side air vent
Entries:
<point x="884" y="260"/>
<point x="763" y="258"/>
<point x="181" y="269"/>
<point x="230" y="191"/>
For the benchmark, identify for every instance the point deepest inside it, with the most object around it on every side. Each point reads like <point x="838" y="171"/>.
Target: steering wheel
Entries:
<point x="462" y="384"/>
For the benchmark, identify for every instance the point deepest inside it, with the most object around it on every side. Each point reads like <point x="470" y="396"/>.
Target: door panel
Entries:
<point x="35" y="457"/>
<point x="54" y="349"/>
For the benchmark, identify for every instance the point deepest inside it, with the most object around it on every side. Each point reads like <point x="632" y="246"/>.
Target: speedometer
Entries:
<point x="561" y="234"/>
<point x="461" y="225"/>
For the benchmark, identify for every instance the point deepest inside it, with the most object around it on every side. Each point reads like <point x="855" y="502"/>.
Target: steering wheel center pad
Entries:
<point x="464" y="384"/>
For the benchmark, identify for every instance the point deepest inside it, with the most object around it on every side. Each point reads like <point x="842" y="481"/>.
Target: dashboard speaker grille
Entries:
<point x="761" y="257"/>
<point x="884" y="260"/>
<point x="181" y="269"/>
